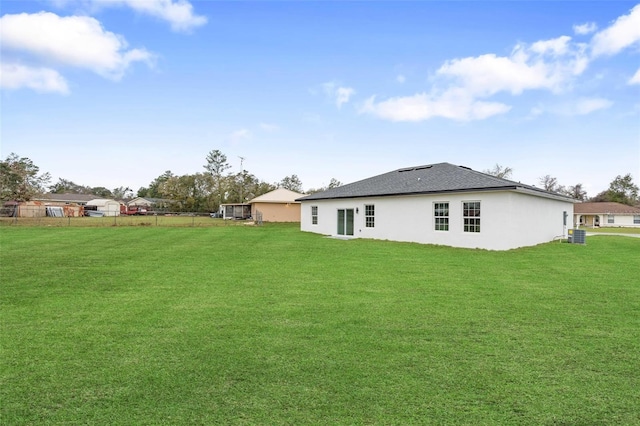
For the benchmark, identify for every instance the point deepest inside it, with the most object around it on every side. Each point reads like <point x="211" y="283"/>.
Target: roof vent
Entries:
<point x="423" y="167"/>
<point x="465" y="167"/>
<point x="406" y="170"/>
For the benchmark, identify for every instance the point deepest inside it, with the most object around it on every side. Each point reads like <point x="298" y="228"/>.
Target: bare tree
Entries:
<point x="549" y="183"/>
<point x="500" y="171"/>
<point x="577" y="192"/>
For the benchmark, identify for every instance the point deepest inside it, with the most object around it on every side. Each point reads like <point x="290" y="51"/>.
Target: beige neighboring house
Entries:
<point x="279" y="205"/>
<point x="606" y="215"/>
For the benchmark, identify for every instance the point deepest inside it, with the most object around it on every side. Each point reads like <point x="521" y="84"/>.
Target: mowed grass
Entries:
<point x="269" y="325"/>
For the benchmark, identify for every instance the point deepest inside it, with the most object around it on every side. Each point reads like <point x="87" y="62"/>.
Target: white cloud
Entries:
<point x="77" y="41"/>
<point x="179" y="14"/>
<point x="588" y="105"/>
<point x="581" y="106"/>
<point x="43" y="80"/>
<point x="343" y="94"/>
<point x="453" y="104"/>
<point x="340" y="95"/>
<point x="461" y="85"/>
<point x="526" y="68"/>
<point x="556" y="46"/>
<point x="268" y="127"/>
<point x="586" y="28"/>
<point x="239" y="136"/>
<point x="624" y="32"/>
<point x="401" y="78"/>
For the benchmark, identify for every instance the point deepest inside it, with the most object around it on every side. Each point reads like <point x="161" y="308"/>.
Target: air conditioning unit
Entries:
<point x="577" y="236"/>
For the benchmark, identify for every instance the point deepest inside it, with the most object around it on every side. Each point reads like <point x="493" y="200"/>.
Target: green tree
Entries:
<point x="333" y="183"/>
<point x="188" y="193"/>
<point x="292" y="183"/>
<point x="64" y="186"/>
<point x="216" y="165"/>
<point x="621" y="190"/>
<point x="19" y="179"/>
<point x="101" y="192"/>
<point x="153" y="191"/>
<point x="122" y="193"/>
<point x="241" y="187"/>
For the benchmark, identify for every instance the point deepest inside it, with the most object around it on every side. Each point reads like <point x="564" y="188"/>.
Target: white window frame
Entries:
<point x="440" y="221"/>
<point x="314" y="215"/>
<point x="369" y="215"/>
<point x="473" y="226"/>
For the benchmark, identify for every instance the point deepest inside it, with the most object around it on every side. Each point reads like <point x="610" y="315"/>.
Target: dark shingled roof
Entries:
<point x="427" y="179"/>
<point x="68" y="198"/>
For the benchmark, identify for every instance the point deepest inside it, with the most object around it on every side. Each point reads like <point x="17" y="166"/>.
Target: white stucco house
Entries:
<point x="606" y="214"/>
<point x="440" y="204"/>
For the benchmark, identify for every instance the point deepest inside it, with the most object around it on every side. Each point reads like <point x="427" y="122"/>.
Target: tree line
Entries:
<point x="622" y="189"/>
<point x="20" y="180"/>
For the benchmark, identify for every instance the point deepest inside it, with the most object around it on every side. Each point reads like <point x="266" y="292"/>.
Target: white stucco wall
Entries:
<point x="625" y="220"/>
<point x="619" y="220"/>
<point x="508" y="219"/>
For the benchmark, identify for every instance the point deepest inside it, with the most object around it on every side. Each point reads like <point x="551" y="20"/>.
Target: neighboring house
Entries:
<point x="106" y="206"/>
<point x="279" y="205"/>
<point x="152" y="204"/>
<point x="606" y="214"/>
<point x="440" y="204"/>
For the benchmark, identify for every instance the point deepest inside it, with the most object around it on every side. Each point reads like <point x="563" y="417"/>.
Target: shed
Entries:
<point x="24" y="209"/>
<point x="106" y="206"/>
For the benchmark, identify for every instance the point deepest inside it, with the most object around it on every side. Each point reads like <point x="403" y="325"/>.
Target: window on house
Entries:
<point x="441" y="216"/>
<point x="611" y="219"/>
<point x="314" y="215"/>
<point x="369" y="215"/>
<point x="471" y="216"/>
<point x="636" y="219"/>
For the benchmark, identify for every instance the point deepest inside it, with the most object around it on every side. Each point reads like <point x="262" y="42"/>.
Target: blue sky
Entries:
<point x="115" y="92"/>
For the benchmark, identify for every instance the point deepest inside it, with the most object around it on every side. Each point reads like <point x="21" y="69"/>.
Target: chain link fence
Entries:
<point x="20" y="215"/>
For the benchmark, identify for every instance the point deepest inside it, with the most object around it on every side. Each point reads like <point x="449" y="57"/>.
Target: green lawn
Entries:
<point x="611" y="229"/>
<point x="269" y="325"/>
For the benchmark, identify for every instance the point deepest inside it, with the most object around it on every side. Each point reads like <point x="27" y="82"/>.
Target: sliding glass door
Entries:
<point x="345" y="221"/>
